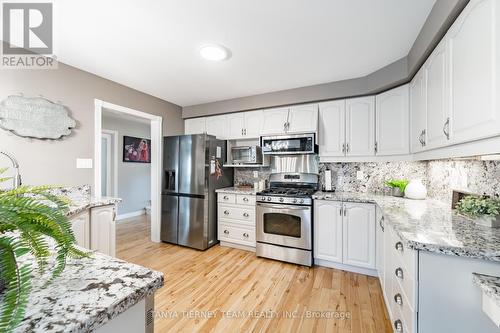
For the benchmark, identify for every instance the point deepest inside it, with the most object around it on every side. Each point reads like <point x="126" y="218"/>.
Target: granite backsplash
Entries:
<point x="440" y="176"/>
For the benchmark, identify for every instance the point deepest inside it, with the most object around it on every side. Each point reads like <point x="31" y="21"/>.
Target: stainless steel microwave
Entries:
<point x="289" y="144"/>
<point x="246" y="155"/>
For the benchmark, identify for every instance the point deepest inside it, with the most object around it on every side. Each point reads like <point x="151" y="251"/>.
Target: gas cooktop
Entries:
<point x="288" y="192"/>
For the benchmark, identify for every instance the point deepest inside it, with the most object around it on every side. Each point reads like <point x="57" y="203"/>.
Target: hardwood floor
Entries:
<point x="256" y="295"/>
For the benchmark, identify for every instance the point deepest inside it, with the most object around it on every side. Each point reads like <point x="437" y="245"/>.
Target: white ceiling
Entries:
<point x="153" y="45"/>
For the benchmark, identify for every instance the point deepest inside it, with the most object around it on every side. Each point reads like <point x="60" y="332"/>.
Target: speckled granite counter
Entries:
<point x="430" y="225"/>
<point x="236" y="190"/>
<point x="490" y="285"/>
<point x="89" y="293"/>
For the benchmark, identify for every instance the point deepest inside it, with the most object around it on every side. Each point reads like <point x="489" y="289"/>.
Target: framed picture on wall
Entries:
<point x="136" y="150"/>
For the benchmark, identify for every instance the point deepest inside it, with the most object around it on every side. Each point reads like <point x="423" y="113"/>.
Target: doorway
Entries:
<point x="104" y="174"/>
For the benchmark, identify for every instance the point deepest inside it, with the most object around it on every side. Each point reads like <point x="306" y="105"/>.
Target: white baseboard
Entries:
<point x="131" y="214"/>
<point x="344" y="267"/>
<point x="238" y="246"/>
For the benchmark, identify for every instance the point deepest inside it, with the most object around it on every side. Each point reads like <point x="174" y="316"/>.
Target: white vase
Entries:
<point x="415" y="190"/>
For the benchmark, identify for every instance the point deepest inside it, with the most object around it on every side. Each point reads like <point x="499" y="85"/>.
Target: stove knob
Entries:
<point x="263" y="198"/>
<point x="294" y="200"/>
<point x="281" y="200"/>
<point x="269" y="199"/>
<point x="301" y="200"/>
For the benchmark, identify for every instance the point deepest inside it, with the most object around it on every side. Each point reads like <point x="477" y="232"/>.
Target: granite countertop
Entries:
<point x="429" y="225"/>
<point x="490" y="285"/>
<point x="236" y="190"/>
<point x="89" y="293"/>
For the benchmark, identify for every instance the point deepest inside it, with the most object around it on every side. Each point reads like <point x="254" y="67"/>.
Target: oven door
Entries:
<point x="285" y="225"/>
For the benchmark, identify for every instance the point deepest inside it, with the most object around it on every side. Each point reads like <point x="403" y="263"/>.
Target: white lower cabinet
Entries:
<point x="328" y="230"/>
<point x="103" y="230"/>
<point x="236" y="220"/>
<point x="80" y="225"/>
<point x="95" y="229"/>
<point x="344" y="233"/>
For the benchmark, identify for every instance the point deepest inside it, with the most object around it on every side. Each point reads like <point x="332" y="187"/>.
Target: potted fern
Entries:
<point x="481" y="209"/>
<point x="29" y="218"/>
<point x="397" y="186"/>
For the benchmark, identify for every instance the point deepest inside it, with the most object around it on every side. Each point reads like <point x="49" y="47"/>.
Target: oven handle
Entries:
<point x="283" y="206"/>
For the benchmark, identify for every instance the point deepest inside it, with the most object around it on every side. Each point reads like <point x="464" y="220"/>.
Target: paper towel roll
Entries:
<point x="328" y="180"/>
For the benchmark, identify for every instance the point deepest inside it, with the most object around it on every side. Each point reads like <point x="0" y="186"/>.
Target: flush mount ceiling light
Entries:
<point x="214" y="52"/>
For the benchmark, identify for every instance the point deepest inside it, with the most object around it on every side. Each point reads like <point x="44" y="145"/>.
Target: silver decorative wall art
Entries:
<point x="35" y="117"/>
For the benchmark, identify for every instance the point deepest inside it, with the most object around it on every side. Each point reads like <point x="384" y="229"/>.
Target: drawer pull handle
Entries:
<point x="399" y="246"/>
<point x="398" y="299"/>
<point x="226" y="212"/>
<point x="399" y="273"/>
<point x="398" y="325"/>
<point x="226" y="197"/>
<point x="245" y="199"/>
<point x="226" y="232"/>
<point x="245" y="235"/>
<point x="246" y="215"/>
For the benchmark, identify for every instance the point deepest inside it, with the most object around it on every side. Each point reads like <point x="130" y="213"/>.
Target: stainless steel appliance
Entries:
<point x="246" y="155"/>
<point x="192" y="172"/>
<point x="285" y="218"/>
<point x="289" y="144"/>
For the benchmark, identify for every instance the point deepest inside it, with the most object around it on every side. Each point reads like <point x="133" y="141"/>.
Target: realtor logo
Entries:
<point x="27" y="33"/>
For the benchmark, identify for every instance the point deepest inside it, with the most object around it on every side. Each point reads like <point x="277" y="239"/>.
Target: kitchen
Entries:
<point x="290" y="201"/>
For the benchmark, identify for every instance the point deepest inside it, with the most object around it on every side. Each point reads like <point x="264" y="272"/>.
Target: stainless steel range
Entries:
<point x="284" y="218"/>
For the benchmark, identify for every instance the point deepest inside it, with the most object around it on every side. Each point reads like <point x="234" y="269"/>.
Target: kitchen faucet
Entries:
<point x="17" y="176"/>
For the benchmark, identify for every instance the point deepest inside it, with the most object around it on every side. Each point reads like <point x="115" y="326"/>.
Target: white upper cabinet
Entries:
<point x="216" y="125"/>
<point x="235" y="125"/>
<point x="274" y="121"/>
<point x="195" y="126"/>
<point x="328" y="230"/>
<point x="359" y="235"/>
<point x="418" y="111"/>
<point x="474" y="53"/>
<point x="253" y="124"/>
<point x="438" y="119"/>
<point x="303" y="119"/>
<point x="392" y="122"/>
<point x="331" y="136"/>
<point x="360" y="126"/>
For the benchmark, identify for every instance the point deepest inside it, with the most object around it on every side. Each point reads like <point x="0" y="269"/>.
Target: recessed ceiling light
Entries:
<point x="214" y="52"/>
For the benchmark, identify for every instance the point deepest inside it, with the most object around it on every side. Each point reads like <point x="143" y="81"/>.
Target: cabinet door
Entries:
<point x="274" y="121"/>
<point x="437" y="100"/>
<point x="392" y="122"/>
<point x="418" y="111"/>
<point x="253" y="124"/>
<point x="103" y="229"/>
<point x="303" y="118"/>
<point x="217" y="126"/>
<point x="359" y="235"/>
<point x="235" y="125"/>
<point x="331" y="128"/>
<point x="195" y="126"/>
<point x="474" y="52"/>
<point x="80" y="225"/>
<point x="328" y="230"/>
<point x="379" y="243"/>
<point x="360" y="126"/>
<point x="388" y="271"/>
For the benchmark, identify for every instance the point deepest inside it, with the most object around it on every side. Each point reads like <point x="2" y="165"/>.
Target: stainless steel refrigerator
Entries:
<point x="192" y="171"/>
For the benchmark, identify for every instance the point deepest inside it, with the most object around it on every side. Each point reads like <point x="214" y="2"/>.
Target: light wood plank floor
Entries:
<point x="256" y="295"/>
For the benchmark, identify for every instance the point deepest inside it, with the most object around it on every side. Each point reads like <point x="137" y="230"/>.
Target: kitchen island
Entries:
<point x="99" y="293"/>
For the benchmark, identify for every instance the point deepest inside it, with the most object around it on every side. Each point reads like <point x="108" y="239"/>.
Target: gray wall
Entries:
<point x="54" y="162"/>
<point x="439" y="20"/>
<point x="134" y="179"/>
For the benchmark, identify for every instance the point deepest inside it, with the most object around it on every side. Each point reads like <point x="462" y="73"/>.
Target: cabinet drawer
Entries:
<point x="245" y="200"/>
<point x="240" y="213"/>
<point x="402" y="308"/>
<point x="236" y="234"/>
<point x="406" y="281"/>
<point x="403" y="255"/>
<point x="227" y="198"/>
